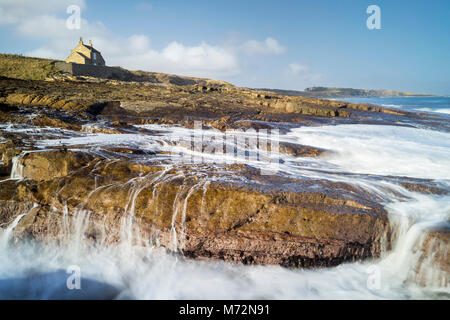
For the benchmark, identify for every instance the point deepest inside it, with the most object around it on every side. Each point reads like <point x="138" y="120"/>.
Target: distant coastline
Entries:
<point x="332" y="92"/>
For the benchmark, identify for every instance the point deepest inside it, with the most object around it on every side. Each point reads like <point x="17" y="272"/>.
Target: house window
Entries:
<point x="95" y="56"/>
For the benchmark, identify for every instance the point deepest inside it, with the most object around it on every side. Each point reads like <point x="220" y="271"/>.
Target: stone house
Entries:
<point x="86" y="54"/>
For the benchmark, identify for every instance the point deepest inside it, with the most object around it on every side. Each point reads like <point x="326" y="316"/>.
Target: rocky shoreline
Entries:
<point x="227" y="221"/>
<point x="232" y="213"/>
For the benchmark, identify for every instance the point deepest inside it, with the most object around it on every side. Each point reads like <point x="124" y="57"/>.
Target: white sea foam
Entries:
<point x="101" y="139"/>
<point x="384" y="150"/>
<point x="440" y="110"/>
<point x="153" y="273"/>
<point x="6" y="235"/>
<point x="148" y="272"/>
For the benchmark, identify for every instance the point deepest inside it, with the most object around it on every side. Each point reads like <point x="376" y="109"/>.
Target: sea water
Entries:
<point x="414" y="104"/>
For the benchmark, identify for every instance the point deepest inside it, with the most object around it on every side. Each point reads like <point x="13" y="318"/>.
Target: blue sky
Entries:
<point x="277" y="44"/>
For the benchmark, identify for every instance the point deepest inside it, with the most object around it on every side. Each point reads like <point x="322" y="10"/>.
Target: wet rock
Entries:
<point x="423" y="187"/>
<point x="107" y="108"/>
<point x="433" y="266"/>
<point x="32" y="99"/>
<point x="114" y="127"/>
<point x="10" y="209"/>
<point x="10" y="205"/>
<point x="44" y="121"/>
<point x="100" y="129"/>
<point x="7" y="108"/>
<point x="127" y="150"/>
<point x="41" y="166"/>
<point x="298" y="150"/>
<point x="8" y="150"/>
<point x="39" y="117"/>
<point x="248" y="224"/>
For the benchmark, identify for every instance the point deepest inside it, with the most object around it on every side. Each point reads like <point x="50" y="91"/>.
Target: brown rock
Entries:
<point x="298" y="150"/>
<point x="250" y="224"/>
<point x="423" y="188"/>
<point x="433" y="266"/>
<point x="41" y="166"/>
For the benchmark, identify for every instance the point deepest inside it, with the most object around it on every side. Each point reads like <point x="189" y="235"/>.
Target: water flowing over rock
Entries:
<point x="244" y="223"/>
<point x="433" y="264"/>
<point x="122" y="172"/>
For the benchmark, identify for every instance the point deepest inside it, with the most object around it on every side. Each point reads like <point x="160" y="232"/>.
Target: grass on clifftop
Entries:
<point x="26" y="68"/>
<point x="29" y="68"/>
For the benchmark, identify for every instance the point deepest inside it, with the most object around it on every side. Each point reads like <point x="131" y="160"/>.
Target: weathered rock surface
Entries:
<point x="434" y="251"/>
<point x="10" y="205"/>
<point x="268" y="221"/>
<point x="41" y="166"/>
<point x="297" y="150"/>
<point x="173" y="102"/>
<point x="422" y="188"/>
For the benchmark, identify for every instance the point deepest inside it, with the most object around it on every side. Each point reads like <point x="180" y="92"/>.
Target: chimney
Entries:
<point x="81" y="40"/>
<point x="90" y="43"/>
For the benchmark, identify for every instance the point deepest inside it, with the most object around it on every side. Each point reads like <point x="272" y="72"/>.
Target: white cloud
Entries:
<point x="269" y="46"/>
<point x="46" y="20"/>
<point x="302" y="74"/>
<point x="20" y="11"/>
<point x="199" y="56"/>
<point x="51" y="27"/>
<point x="201" y="60"/>
<point x="296" y="68"/>
<point x="135" y="52"/>
<point x="138" y="44"/>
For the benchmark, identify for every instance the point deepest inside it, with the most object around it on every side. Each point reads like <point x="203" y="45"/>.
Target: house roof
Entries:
<point x="91" y="48"/>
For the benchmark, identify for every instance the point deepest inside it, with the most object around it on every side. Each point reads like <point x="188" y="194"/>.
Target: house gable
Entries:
<point x="85" y="54"/>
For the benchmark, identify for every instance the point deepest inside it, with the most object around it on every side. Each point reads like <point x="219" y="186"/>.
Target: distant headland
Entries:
<point x="332" y="92"/>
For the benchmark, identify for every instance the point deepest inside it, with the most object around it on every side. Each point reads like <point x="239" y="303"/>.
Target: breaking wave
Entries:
<point x="356" y="154"/>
